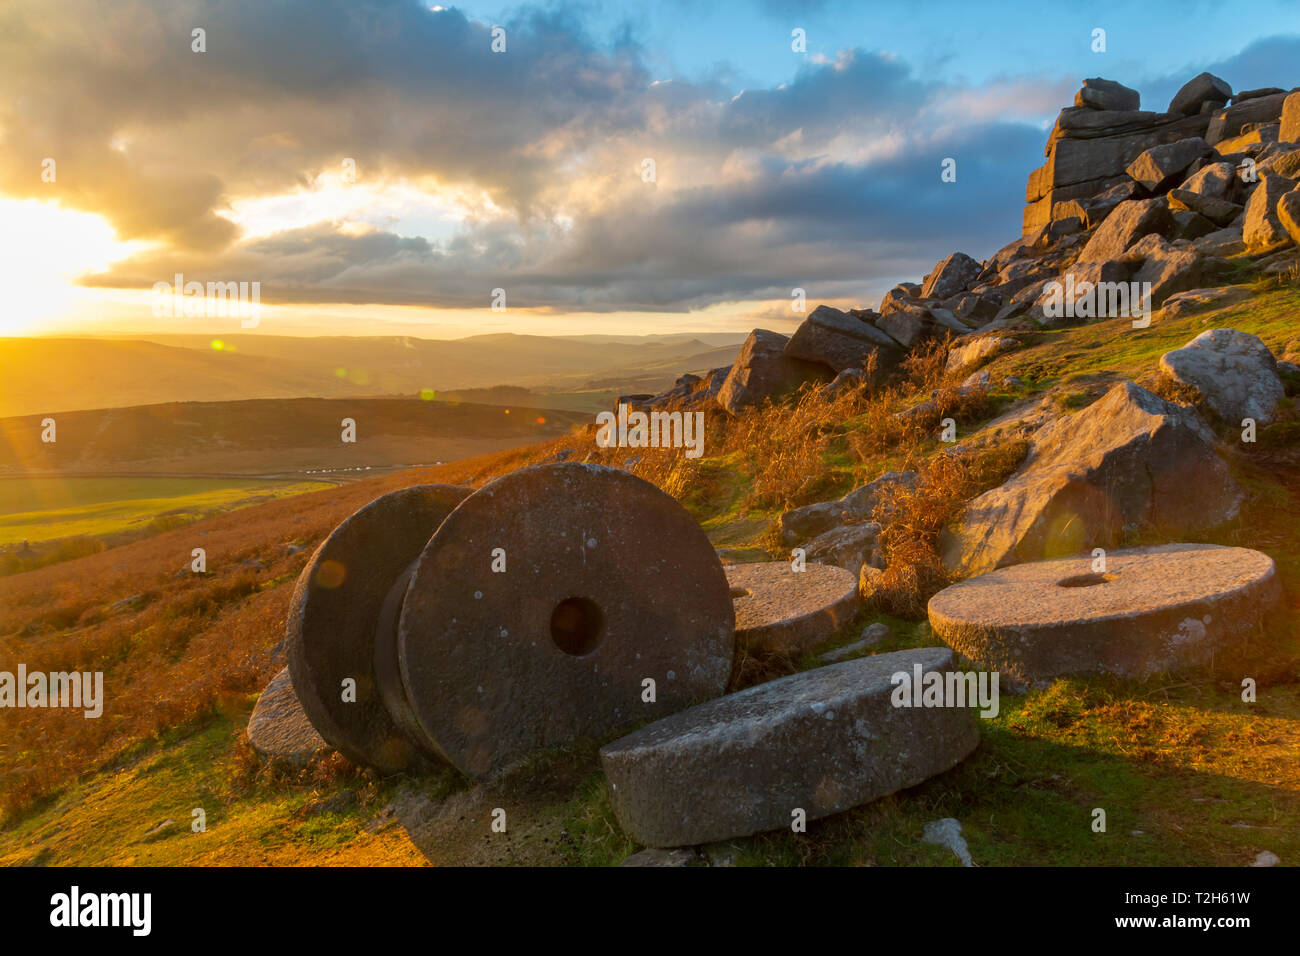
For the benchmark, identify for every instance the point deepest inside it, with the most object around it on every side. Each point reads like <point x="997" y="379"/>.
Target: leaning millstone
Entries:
<point x="545" y="601"/>
<point x="333" y="617"/>
<point x="279" y="729"/>
<point x="780" y="609"/>
<point x="1152" y="610"/>
<point x="822" y="741"/>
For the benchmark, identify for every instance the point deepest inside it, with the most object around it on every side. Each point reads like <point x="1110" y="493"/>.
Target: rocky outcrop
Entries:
<point x="1205" y="90"/>
<point x="951" y="276"/>
<point x="840" y="341"/>
<point x="763" y="370"/>
<point x="1126" y="225"/>
<point x="1234" y="370"/>
<point x="1129" y="460"/>
<point x="1160" y="166"/>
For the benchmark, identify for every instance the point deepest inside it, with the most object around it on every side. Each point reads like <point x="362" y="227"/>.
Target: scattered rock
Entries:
<point x="762" y="370"/>
<point x="978" y="350"/>
<point x="1266" y="858"/>
<point x="1153" y="610"/>
<point x="279" y="728"/>
<point x="872" y="634"/>
<point x="779" y="609"/>
<point x="1102" y="94"/>
<point x="1288" y="214"/>
<point x="820" y="742"/>
<point x="1234" y="370"/>
<point x="809" y="521"/>
<point x="1263" y="229"/>
<point x="1290" y="130"/>
<point x="1198" y="91"/>
<point x="947" y="832"/>
<point x="840" y="341"/>
<point x="1161" y="166"/>
<point x="849" y="546"/>
<point x="1129" y="460"/>
<point x="1129" y="222"/>
<point x="1201" y="300"/>
<point x="953" y="275"/>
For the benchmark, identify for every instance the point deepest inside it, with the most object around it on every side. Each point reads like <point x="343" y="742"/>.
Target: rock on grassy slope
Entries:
<point x="1193" y="773"/>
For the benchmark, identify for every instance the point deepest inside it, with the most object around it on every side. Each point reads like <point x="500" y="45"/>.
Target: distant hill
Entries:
<point x="46" y="375"/>
<point x="288" y="437"/>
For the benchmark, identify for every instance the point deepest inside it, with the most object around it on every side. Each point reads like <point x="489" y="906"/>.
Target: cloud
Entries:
<point x="829" y="182"/>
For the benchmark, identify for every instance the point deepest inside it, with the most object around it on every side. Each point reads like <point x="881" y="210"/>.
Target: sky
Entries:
<point x="376" y="167"/>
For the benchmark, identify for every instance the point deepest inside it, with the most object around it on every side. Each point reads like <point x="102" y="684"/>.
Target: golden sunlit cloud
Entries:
<point x="43" y="249"/>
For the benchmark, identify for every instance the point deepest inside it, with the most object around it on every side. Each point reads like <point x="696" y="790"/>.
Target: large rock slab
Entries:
<point x="779" y="609"/>
<point x="822" y="741"/>
<point x="607" y="581"/>
<point x="1263" y="230"/>
<point x="279" y="728"/>
<point x="955" y="274"/>
<point x="762" y="370"/>
<point x="332" y="623"/>
<point x="1100" y="94"/>
<point x="1290" y="130"/>
<point x="839" y="340"/>
<point x="1162" y="166"/>
<point x="1230" y="122"/>
<point x="1129" y="222"/>
<point x="1129" y="460"/>
<point x="1154" y="609"/>
<point x="1235" y="371"/>
<point x="1206" y="88"/>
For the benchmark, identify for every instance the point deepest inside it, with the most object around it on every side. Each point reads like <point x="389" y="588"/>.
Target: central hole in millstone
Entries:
<point x="577" y="625"/>
<point x="1085" y="580"/>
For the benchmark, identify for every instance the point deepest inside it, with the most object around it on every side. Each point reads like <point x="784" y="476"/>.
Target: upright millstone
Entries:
<point x="819" y="742"/>
<point x="334" y="623"/>
<point x="559" y="602"/>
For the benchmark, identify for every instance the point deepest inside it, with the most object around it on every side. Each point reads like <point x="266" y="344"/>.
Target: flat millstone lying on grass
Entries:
<point x="279" y="728"/>
<point x="822" y="741"/>
<point x="1154" y="609"/>
<point x="784" y="610"/>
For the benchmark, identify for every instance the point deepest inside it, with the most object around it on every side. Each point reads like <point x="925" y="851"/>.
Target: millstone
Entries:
<point x="607" y="582"/>
<point x="1154" y="609"/>
<point x="784" y="610"/>
<point x="279" y="728"/>
<point x="821" y="741"/>
<point x="332" y="625"/>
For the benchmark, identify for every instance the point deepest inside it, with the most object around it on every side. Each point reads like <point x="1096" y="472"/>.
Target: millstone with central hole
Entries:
<point x="780" y="609"/>
<point x="333" y="635"/>
<point x="608" y="583"/>
<point x="1153" y="609"/>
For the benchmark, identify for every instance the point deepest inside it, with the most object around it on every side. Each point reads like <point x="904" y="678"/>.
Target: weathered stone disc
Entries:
<point x="784" y="610"/>
<point x="821" y="741"/>
<point x="1154" y="609"/>
<point x="332" y="621"/>
<point x="279" y="729"/>
<point x="608" y="582"/>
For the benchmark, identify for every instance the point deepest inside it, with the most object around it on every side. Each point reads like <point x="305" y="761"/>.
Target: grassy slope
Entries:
<point x="1187" y="772"/>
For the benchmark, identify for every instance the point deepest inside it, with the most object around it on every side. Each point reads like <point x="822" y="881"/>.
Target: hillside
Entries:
<point x="276" y="436"/>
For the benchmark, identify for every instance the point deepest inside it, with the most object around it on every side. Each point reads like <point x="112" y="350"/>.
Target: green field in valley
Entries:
<point x="46" y="509"/>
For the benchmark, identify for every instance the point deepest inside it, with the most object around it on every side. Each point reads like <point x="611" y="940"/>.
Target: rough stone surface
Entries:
<point x="1201" y="300"/>
<point x="840" y="341"/>
<point x="1288" y="214"/>
<point x="1219" y="211"/>
<point x="1263" y="229"/>
<point x="1162" y="166"/>
<point x="778" y="609"/>
<point x="1100" y="94"/>
<point x="498" y="665"/>
<point x="279" y="728"/>
<point x="1128" y="460"/>
<point x="822" y="741"/>
<point x="331" y="628"/>
<point x="1214" y="181"/>
<point x="1234" y="370"/>
<point x="807" y="522"/>
<point x="977" y="350"/>
<point x="1290" y="130"/>
<point x="849" y="546"/>
<point x="1153" y="610"/>
<point x="951" y="276"/>
<point x="673" y="858"/>
<point x="762" y="370"/>
<point x="1129" y="222"/>
<point x="1201" y="89"/>
<point x="1232" y="121"/>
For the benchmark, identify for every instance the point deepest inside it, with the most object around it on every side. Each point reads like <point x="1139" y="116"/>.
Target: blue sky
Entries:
<point x="523" y="170"/>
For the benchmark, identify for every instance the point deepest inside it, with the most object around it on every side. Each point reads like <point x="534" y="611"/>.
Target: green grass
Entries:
<point x="46" y="509"/>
